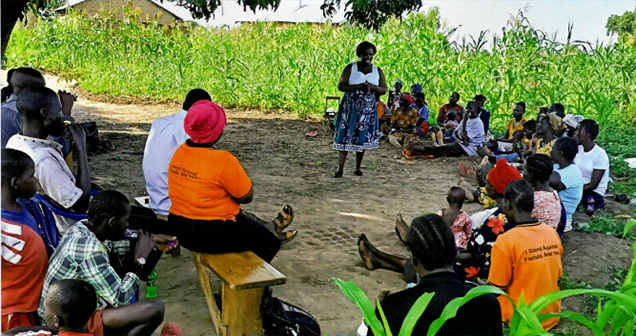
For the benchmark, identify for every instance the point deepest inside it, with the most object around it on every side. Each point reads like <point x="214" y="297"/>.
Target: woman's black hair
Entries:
<point x="473" y="102"/>
<point x="530" y="125"/>
<point x="420" y="95"/>
<point x="568" y="147"/>
<point x="363" y="46"/>
<point x="431" y="242"/>
<point x="522" y="104"/>
<point x="540" y="166"/>
<point x="591" y="127"/>
<point x="521" y="194"/>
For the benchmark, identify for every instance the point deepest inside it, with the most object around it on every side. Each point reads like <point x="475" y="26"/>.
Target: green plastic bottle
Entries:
<point x="151" y="285"/>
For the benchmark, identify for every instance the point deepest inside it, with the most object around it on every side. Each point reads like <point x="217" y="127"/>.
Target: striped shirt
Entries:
<point x="81" y="255"/>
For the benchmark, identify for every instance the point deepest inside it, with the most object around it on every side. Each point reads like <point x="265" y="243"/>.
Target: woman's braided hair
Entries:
<point x="540" y="166"/>
<point x="431" y="242"/>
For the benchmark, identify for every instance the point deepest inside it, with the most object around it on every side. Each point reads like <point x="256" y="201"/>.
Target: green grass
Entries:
<point x="604" y="222"/>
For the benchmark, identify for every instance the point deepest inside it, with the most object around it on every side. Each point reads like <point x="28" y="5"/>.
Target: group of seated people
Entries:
<point x="115" y="245"/>
<point x="532" y="181"/>
<point x="198" y="205"/>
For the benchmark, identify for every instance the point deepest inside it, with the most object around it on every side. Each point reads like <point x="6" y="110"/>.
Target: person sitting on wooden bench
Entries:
<point x="165" y="136"/>
<point x="82" y="254"/>
<point x="207" y="187"/>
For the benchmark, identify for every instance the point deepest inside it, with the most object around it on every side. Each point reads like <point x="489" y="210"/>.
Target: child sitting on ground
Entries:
<point x="24" y="257"/>
<point x="447" y="131"/>
<point x="459" y="220"/>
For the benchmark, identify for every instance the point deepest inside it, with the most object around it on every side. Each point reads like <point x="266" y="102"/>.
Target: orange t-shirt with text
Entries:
<point x="203" y="182"/>
<point x="527" y="258"/>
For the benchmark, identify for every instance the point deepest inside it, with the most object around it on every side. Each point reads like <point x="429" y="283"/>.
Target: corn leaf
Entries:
<point x="385" y="323"/>
<point x="575" y="317"/>
<point x="453" y="306"/>
<point x="350" y="290"/>
<point x="414" y="314"/>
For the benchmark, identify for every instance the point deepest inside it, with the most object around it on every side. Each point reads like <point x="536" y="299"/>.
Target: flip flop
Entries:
<point x="311" y="134"/>
<point x="463" y="170"/>
<point x="289" y="238"/>
<point x="284" y="219"/>
<point x="406" y="155"/>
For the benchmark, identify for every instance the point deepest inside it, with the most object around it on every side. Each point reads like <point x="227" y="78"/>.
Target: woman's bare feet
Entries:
<point x="366" y="254"/>
<point x="407" y="150"/>
<point x="401" y="228"/>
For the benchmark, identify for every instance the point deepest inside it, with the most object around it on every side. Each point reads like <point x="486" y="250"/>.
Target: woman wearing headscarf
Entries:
<point x="357" y="126"/>
<point x="207" y="187"/>
<point x="474" y="264"/>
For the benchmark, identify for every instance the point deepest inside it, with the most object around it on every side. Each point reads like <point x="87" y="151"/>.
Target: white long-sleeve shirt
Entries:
<point x="166" y="135"/>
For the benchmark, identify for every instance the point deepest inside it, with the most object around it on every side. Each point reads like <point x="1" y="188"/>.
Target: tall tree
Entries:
<point x="622" y="25"/>
<point x="370" y="14"/>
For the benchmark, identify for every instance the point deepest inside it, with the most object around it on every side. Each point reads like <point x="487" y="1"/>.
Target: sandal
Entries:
<point x="406" y="155"/>
<point x="284" y="219"/>
<point x="358" y="172"/>
<point x="289" y="236"/>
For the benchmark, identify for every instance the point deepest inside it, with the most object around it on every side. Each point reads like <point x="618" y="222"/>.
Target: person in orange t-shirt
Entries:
<point x="207" y="187"/>
<point x="527" y="258"/>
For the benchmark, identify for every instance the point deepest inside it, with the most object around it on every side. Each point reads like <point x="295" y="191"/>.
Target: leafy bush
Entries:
<point x="605" y="223"/>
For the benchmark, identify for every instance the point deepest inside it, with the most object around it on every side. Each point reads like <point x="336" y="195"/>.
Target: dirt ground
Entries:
<point x="289" y="168"/>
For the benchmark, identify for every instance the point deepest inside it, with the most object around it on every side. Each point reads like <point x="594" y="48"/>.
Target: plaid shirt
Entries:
<point x="81" y="255"/>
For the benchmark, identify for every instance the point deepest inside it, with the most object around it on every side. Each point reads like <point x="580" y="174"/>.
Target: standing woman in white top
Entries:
<point x="357" y="127"/>
<point x="594" y="164"/>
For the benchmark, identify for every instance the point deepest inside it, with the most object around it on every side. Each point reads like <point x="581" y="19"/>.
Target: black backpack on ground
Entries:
<point x="282" y="318"/>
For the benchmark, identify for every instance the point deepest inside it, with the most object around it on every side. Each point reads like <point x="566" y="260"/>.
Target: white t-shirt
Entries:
<point x="594" y="159"/>
<point x="55" y="179"/>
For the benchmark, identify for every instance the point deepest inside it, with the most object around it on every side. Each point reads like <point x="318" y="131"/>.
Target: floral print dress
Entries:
<point x="480" y="246"/>
<point x="406" y="119"/>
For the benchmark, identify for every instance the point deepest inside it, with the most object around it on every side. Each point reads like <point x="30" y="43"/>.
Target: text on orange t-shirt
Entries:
<point x="527" y="258"/>
<point x="203" y="183"/>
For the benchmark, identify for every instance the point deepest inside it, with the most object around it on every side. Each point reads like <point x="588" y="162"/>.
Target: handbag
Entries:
<point x="282" y="318"/>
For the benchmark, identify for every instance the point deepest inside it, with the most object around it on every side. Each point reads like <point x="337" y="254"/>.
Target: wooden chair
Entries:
<point x="244" y="277"/>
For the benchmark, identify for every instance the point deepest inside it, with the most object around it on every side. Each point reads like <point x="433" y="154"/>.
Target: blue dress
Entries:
<point x="357" y="125"/>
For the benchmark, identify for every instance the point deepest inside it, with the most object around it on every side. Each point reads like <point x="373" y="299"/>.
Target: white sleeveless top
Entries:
<point x="358" y="77"/>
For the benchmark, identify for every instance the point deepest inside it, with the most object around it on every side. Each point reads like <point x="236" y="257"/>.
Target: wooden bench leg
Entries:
<point x="204" y="278"/>
<point x="242" y="311"/>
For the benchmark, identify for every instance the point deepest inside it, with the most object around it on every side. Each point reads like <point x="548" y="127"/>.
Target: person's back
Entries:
<point x="534" y="251"/>
<point x="527" y="258"/>
<point x="480" y="316"/>
<point x="432" y="246"/>
<point x="165" y="136"/>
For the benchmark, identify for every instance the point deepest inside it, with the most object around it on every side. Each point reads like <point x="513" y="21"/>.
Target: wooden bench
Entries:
<point x="244" y="277"/>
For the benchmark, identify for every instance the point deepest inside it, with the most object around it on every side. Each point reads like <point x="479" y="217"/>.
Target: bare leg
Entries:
<point x="139" y="318"/>
<point x="374" y="258"/>
<point x="359" y="156"/>
<point x="342" y="157"/>
<point x="468" y="190"/>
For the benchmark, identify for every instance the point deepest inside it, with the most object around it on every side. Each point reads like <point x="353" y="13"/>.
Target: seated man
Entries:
<point x="432" y="246"/>
<point x="516" y="124"/>
<point x="525" y="260"/>
<point x="82" y="254"/>
<point x="484" y="114"/>
<point x="24" y="258"/>
<point x="19" y="79"/>
<point x="41" y="113"/>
